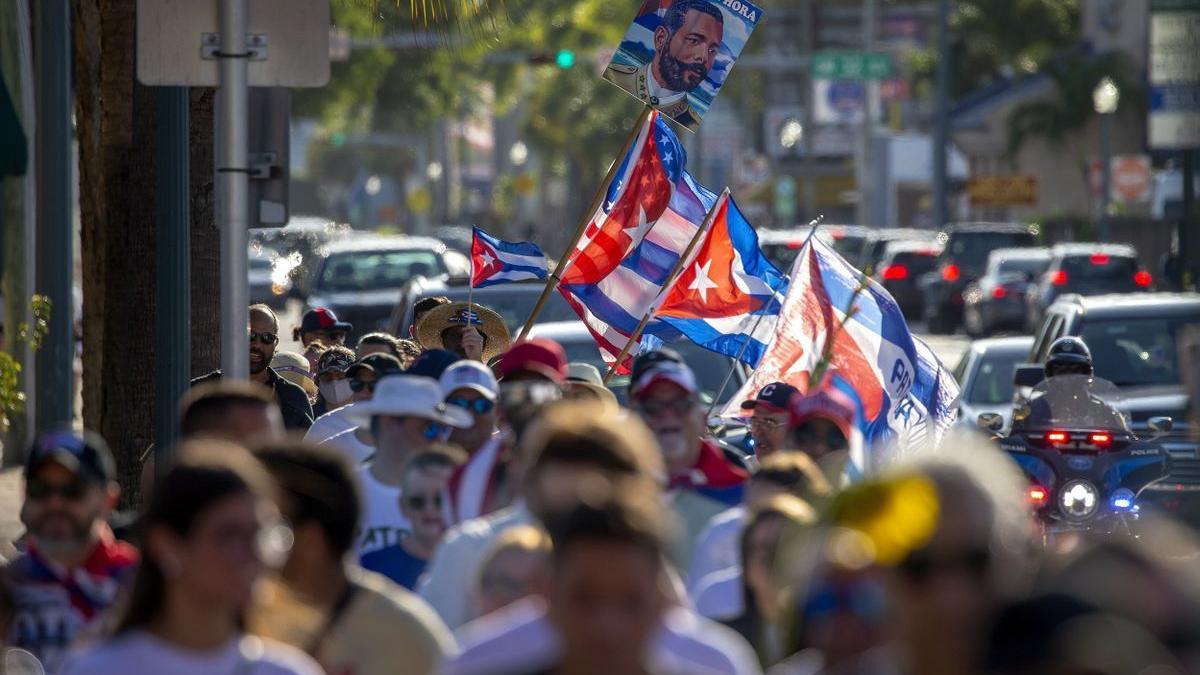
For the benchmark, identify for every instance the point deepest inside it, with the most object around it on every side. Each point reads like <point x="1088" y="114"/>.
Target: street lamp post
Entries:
<point x="1105" y="98"/>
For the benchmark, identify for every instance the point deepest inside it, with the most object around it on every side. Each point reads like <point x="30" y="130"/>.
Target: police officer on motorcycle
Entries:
<point x="1069" y="364"/>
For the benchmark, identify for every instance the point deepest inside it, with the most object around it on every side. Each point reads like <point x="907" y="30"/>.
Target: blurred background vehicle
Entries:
<point x="985" y="376"/>
<point x="298" y="242"/>
<point x="270" y="281"/>
<point x="513" y="302"/>
<point x="899" y="267"/>
<point x="782" y="246"/>
<point x="1087" y="269"/>
<point x="964" y="260"/>
<point x="876" y="246"/>
<point x="998" y="299"/>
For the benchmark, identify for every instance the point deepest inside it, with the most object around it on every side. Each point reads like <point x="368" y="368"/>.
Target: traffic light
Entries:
<point x="565" y="59"/>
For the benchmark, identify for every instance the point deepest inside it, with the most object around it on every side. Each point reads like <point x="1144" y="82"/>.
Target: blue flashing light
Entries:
<point x="1122" y="500"/>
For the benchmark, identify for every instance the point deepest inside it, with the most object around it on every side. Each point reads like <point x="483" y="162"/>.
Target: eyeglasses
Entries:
<point x="420" y="502"/>
<point x="920" y="567"/>
<point x="766" y="422"/>
<point x="40" y="490"/>
<point x="679" y="406"/>
<point x="265" y="338"/>
<point x="479" y="406"/>
<point x="357" y="385"/>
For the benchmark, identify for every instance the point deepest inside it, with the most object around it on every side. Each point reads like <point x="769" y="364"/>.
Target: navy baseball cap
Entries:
<point x="774" y="396"/>
<point x="432" y="363"/>
<point x="380" y="364"/>
<point x="86" y="455"/>
<point x="322" y="318"/>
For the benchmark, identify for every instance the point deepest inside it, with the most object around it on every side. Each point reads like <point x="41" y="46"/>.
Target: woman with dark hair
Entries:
<point x="208" y="532"/>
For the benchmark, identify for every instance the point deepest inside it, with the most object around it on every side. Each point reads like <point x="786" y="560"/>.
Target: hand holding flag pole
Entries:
<point x="561" y="266"/>
<point x="680" y="265"/>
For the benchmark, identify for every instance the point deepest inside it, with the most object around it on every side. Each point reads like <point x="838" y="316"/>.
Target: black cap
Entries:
<point x="774" y="395"/>
<point x="380" y="364"/>
<point x="654" y="357"/>
<point x="432" y="363"/>
<point x="86" y="455"/>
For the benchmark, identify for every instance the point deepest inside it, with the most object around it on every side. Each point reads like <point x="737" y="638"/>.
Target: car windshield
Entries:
<point x="993" y="381"/>
<point x="916" y="262"/>
<point x="376" y="270"/>
<point x="1136" y="352"/>
<point x="971" y="249"/>
<point x="515" y="303"/>
<point x="783" y="255"/>
<point x="850" y="246"/>
<point x="1023" y="266"/>
<point x="1072" y="402"/>
<point x="1099" y="267"/>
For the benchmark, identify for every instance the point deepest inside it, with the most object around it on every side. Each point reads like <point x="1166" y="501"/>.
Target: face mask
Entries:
<point x="337" y="391"/>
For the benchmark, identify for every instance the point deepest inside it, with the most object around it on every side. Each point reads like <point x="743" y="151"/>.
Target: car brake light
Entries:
<point x="1038" y="495"/>
<point x="895" y="273"/>
<point x="999" y="292"/>
<point x="795" y="245"/>
<point x="1100" y="258"/>
<point x="950" y="272"/>
<point x="1057" y="437"/>
<point x="1143" y="279"/>
<point x="1059" y="278"/>
<point x="1100" y="438"/>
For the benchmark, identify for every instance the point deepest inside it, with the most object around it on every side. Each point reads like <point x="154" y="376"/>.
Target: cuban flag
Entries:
<point x="612" y="305"/>
<point x="892" y="376"/>
<point x="728" y="297"/>
<point x="495" y="261"/>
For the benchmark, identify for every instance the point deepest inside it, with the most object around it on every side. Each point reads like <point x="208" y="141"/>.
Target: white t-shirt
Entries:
<point x="328" y="425"/>
<point x="719" y="595"/>
<point x="141" y="652"/>
<point x="718" y="547"/>
<point x="347" y="443"/>
<point x="382" y="523"/>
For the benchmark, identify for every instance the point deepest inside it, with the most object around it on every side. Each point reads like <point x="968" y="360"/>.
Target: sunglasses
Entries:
<point x="766" y="422"/>
<point x="863" y="599"/>
<point x="435" y="431"/>
<point x="920" y="567"/>
<point x="679" y="406"/>
<point x="264" y="338"/>
<point x="72" y="491"/>
<point x="357" y="385"/>
<point x="479" y="406"/>
<point x="420" y="502"/>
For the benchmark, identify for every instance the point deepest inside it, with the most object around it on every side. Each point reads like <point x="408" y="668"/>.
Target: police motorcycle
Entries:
<point x="1085" y="467"/>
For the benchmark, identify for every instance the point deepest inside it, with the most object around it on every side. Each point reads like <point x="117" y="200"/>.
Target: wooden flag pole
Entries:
<point x="561" y="266"/>
<point x="670" y="281"/>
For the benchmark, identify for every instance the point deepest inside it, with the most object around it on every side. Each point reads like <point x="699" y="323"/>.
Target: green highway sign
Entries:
<point x="851" y="66"/>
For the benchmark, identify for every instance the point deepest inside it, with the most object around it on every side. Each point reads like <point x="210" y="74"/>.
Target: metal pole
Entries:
<point x="865" y="189"/>
<point x="173" y="301"/>
<point x="55" y="252"/>
<point x="807" y="38"/>
<point x="1105" y="172"/>
<point x="233" y="181"/>
<point x="941" y="129"/>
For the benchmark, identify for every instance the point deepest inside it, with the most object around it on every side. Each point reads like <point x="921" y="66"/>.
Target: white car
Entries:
<point x="985" y="375"/>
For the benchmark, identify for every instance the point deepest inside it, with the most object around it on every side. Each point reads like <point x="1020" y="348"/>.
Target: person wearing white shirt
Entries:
<point x="406" y="415"/>
<point x="470" y="385"/>
<point x="350" y="445"/>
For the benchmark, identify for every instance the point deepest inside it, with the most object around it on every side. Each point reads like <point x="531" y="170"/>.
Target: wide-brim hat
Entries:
<point x="485" y="320"/>
<point x="409" y="396"/>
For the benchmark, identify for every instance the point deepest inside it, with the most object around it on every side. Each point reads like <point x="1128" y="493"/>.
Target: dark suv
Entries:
<point x="963" y="260"/>
<point x="1086" y="269"/>
<point x="1134" y="340"/>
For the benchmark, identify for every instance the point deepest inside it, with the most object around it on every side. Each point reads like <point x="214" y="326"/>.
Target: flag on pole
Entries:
<point x="728" y="299"/>
<point x="892" y="376"/>
<point x="495" y="261"/>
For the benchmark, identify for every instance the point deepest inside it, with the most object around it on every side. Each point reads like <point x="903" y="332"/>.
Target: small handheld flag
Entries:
<point x="495" y="261"/>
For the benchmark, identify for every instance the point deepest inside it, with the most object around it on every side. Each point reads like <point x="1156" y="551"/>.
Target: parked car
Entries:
<point x="964" y="260"/>
<point x="268" y="277"/>
<point x="1087" y="269"/>
<point x="876" y="246"/>
<point x="299" y="242"/>
<point x="513" y="302"/>
<point x="360" y="278"/>
<point x="710" y="367"/>
<point x="1134" y="343"/>
<point x="985" y="377"/>
<point x="849" y="240"/>
<point x="902" y="263"/>
<point x="998" y="299"/>
<point x="782" y="246"/>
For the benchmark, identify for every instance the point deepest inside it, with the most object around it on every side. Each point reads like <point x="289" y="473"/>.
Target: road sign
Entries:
<point x="1173" y="122"/>
<point x="851" y="66"/>
<point x="1131" y="178"/>
<point x="1003" y="190"/>
<point x="177" y="41"/>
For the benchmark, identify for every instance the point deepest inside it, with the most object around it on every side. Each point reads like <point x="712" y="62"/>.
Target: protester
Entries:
<point x="584" y="381"/>
<point x="377" y="343"/>
<point x="73" y="567"/>
<point x="353" y="439"/>
<point x="208" y="535"/>
<point x="333" y="387"/>
<point x="421" y="308"/>
<point x="769" y="418"/>
<point x="405" y="417"/>
<point x="409" y="351"/>
<point x="470" y="385"/>
<point x="514" y="568"/>
<point x="567" y="441"/>
<point x="471" y="331"/>
<point x="432" y="363"/>
<point x="535" y="360"/>
<point x="313" y="352"/>
<point x="821" y="425"/>
<point x="294" y="368"/>
<point x="422" y="490"/>
<point x="241" y="412"/>
<point x="321" y="324"/>
<point x="350" y="620"/>
<point x="759" y="619"/>
<point x="716" y="562"/>
<point x="663" y="391"/>
<point x="264" y="338"/>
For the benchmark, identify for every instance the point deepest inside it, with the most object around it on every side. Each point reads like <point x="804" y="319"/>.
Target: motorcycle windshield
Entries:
<point x="1073" y="402"/>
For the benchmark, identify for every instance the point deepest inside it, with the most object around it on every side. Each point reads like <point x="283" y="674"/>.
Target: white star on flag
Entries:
<point x="638" y="231"/>
<point x="487" y="259"/>
<point x="702" y="282"/>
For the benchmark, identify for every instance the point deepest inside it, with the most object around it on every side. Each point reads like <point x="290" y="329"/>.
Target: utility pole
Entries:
<point x="233" y="181"/>
<point x="865" y="187"/>
<point x="808" y="36"/>
<point x="941" y="128"/>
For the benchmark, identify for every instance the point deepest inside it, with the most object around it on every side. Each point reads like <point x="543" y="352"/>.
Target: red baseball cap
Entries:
<point x="538" y="355"/>
<point x="826" y="403"/>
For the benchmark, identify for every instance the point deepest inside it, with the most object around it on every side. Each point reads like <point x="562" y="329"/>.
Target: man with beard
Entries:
<point x="686" y="44"/>
<point x="73" y="567"/>
<point x="264" y="338"/>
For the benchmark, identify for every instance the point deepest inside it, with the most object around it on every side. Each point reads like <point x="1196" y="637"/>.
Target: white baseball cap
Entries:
<point x="469" y="374"/>
<point x="409" y="396"/>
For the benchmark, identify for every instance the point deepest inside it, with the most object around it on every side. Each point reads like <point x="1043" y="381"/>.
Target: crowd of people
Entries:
<point x="456" y="502"/>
